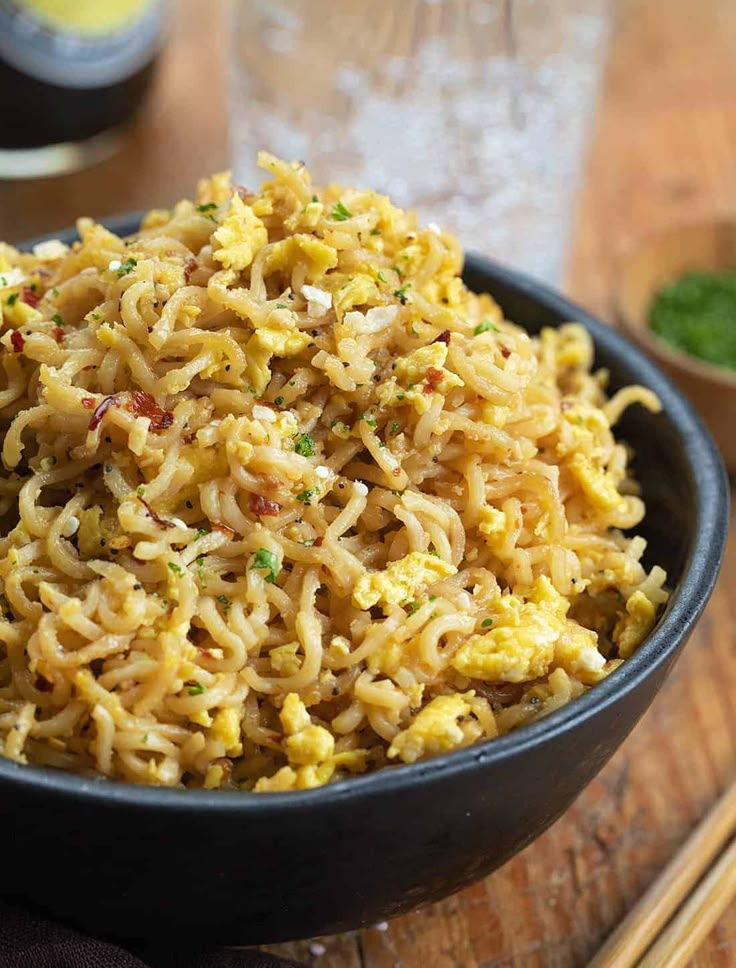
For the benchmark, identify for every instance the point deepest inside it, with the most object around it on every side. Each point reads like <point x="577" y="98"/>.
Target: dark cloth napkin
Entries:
<point x="30" y="941"/>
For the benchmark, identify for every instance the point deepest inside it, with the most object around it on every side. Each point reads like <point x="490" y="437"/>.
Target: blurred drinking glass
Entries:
<point x="475" y="112"/>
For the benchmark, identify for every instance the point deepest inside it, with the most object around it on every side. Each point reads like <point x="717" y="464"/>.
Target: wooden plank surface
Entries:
<point x="664" y="149"/>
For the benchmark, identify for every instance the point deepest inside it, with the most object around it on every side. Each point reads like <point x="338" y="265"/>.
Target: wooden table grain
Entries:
<point x="663" y="150"/>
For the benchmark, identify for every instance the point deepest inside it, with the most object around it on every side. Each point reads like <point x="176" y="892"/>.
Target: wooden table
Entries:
<point x="664" y="149"/>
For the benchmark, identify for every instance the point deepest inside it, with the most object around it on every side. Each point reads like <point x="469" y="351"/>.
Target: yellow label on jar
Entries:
<point x="87" y="16"/>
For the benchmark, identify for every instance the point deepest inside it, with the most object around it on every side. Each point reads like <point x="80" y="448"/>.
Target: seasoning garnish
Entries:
<point x="444" y="337"/>
<point x="304" y="446"/>
<point x="340" y="213"/>
<point x="125" y="267"/>
<point x="101" y="411"/>
<point x="263" y="507"/>
<point x="266" y="560"/>
<point x="16" y="338"/>
<point x="143" y="405"/>
<point x="484" y="327"/>
<point x="162" y="522"/>
<point x="196" y="689"/>
<point x="29" y="297"/>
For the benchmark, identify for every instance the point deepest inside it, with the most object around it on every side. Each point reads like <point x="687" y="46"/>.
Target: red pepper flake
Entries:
<point x="101" y="411"/>
<point x="143" y="405"/>
<point x="190" y="267"/>
<point x="157" y="518"/>
<point x="263" y="507"/>
<point x="223" y="529"/>
<point x="43" y="685"/>
<point x="58" y="333"/>
<point x="433" y="378"/>
<point x="318" y="542"/>
<point x="203" y="650"/>
<point x="444" y="337"/>
<point x="29" y="297"/>
<point x="505" y="353"/>
<point x="271" y="404"/>
<point x="16" y="338"/>
<point x="88" y="403"/>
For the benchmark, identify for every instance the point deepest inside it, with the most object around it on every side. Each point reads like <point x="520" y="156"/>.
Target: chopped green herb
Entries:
<point x="12" y="300"/>
<point x="579" y="421"/>
<point x="435" y="554"/>
<point x="381" y="276"/>
<point x="281" y="306"/>
<point x="175" y="568"/>
<point x="265" y="559"/>
<point x="486" y="623"/>
<point x="197" y="689"/>
<point x="414" y="330"/>
<point x="54" y="292"/>
<point x="369" y="420"/>
<point x="199" y="563"/>
<point x="433" y="598"/>
<point x="292" y="383"/>
<point x="340" y="213"/>
<point x="278" y="401"/>
<point x="56" y="318"/>
<point x="126" y="267"/>
<point x="375" y="231"/>
<point x="484" y="327"/>
<point x="314" y="198"/>
<point x="207" y="207"/>
<point x="95" y="315"/>
<point x="307" y="495"/>
<point x="394" y="429"/>
<point x="308" y="543"/>
<point x="144" y="738"/>
<point x="201" y="532"/>
<point x="400" y="397"/>
<point x="140" y="491"/>
<point x="304" y="446"/>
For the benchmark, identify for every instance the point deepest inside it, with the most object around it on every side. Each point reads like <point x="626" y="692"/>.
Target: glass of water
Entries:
<point x="475" y="112"/>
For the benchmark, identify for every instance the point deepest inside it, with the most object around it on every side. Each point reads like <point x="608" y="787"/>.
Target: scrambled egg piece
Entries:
<point x="401" y="580"/>
<point x="318" y="256"/>
<point x="440" y="727"/>
<point x="528" y="639"/>
<point x="491" y="524"/>
<point x="226" y="727"/>
<point x="240" y="236"/>
<point x="633" y="627"/>
<point x="413" y="369"/>
<point x="310" y="750"/>
<point x="598" y="485"/>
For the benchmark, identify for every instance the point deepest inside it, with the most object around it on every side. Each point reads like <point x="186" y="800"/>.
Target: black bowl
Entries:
<point x="141" y="863"/>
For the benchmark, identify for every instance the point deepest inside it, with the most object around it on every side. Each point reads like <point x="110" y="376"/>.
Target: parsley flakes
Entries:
<point x="339" y="213"/>
<point x="126" y="267"/>
<point x="304" y="446"/>
<point x="484" y="327"/>
<point x="266" y="560"/>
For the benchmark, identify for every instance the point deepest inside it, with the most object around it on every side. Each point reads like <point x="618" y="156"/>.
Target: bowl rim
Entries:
<point x="641" y="331"/>
<point x="686" y="604"/>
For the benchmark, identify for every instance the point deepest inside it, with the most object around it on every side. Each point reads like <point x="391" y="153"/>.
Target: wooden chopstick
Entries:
<point x="683" y="935"/>
<point x="640" y="927"/>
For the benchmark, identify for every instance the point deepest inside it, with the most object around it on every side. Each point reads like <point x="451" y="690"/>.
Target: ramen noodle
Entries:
<point x="284" y="502"/>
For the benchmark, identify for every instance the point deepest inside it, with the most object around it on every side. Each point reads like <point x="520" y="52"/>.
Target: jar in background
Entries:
<point x="72" y="73"/>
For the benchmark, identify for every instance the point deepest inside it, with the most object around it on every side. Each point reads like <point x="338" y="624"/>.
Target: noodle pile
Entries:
<point x="283" y="502"/>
